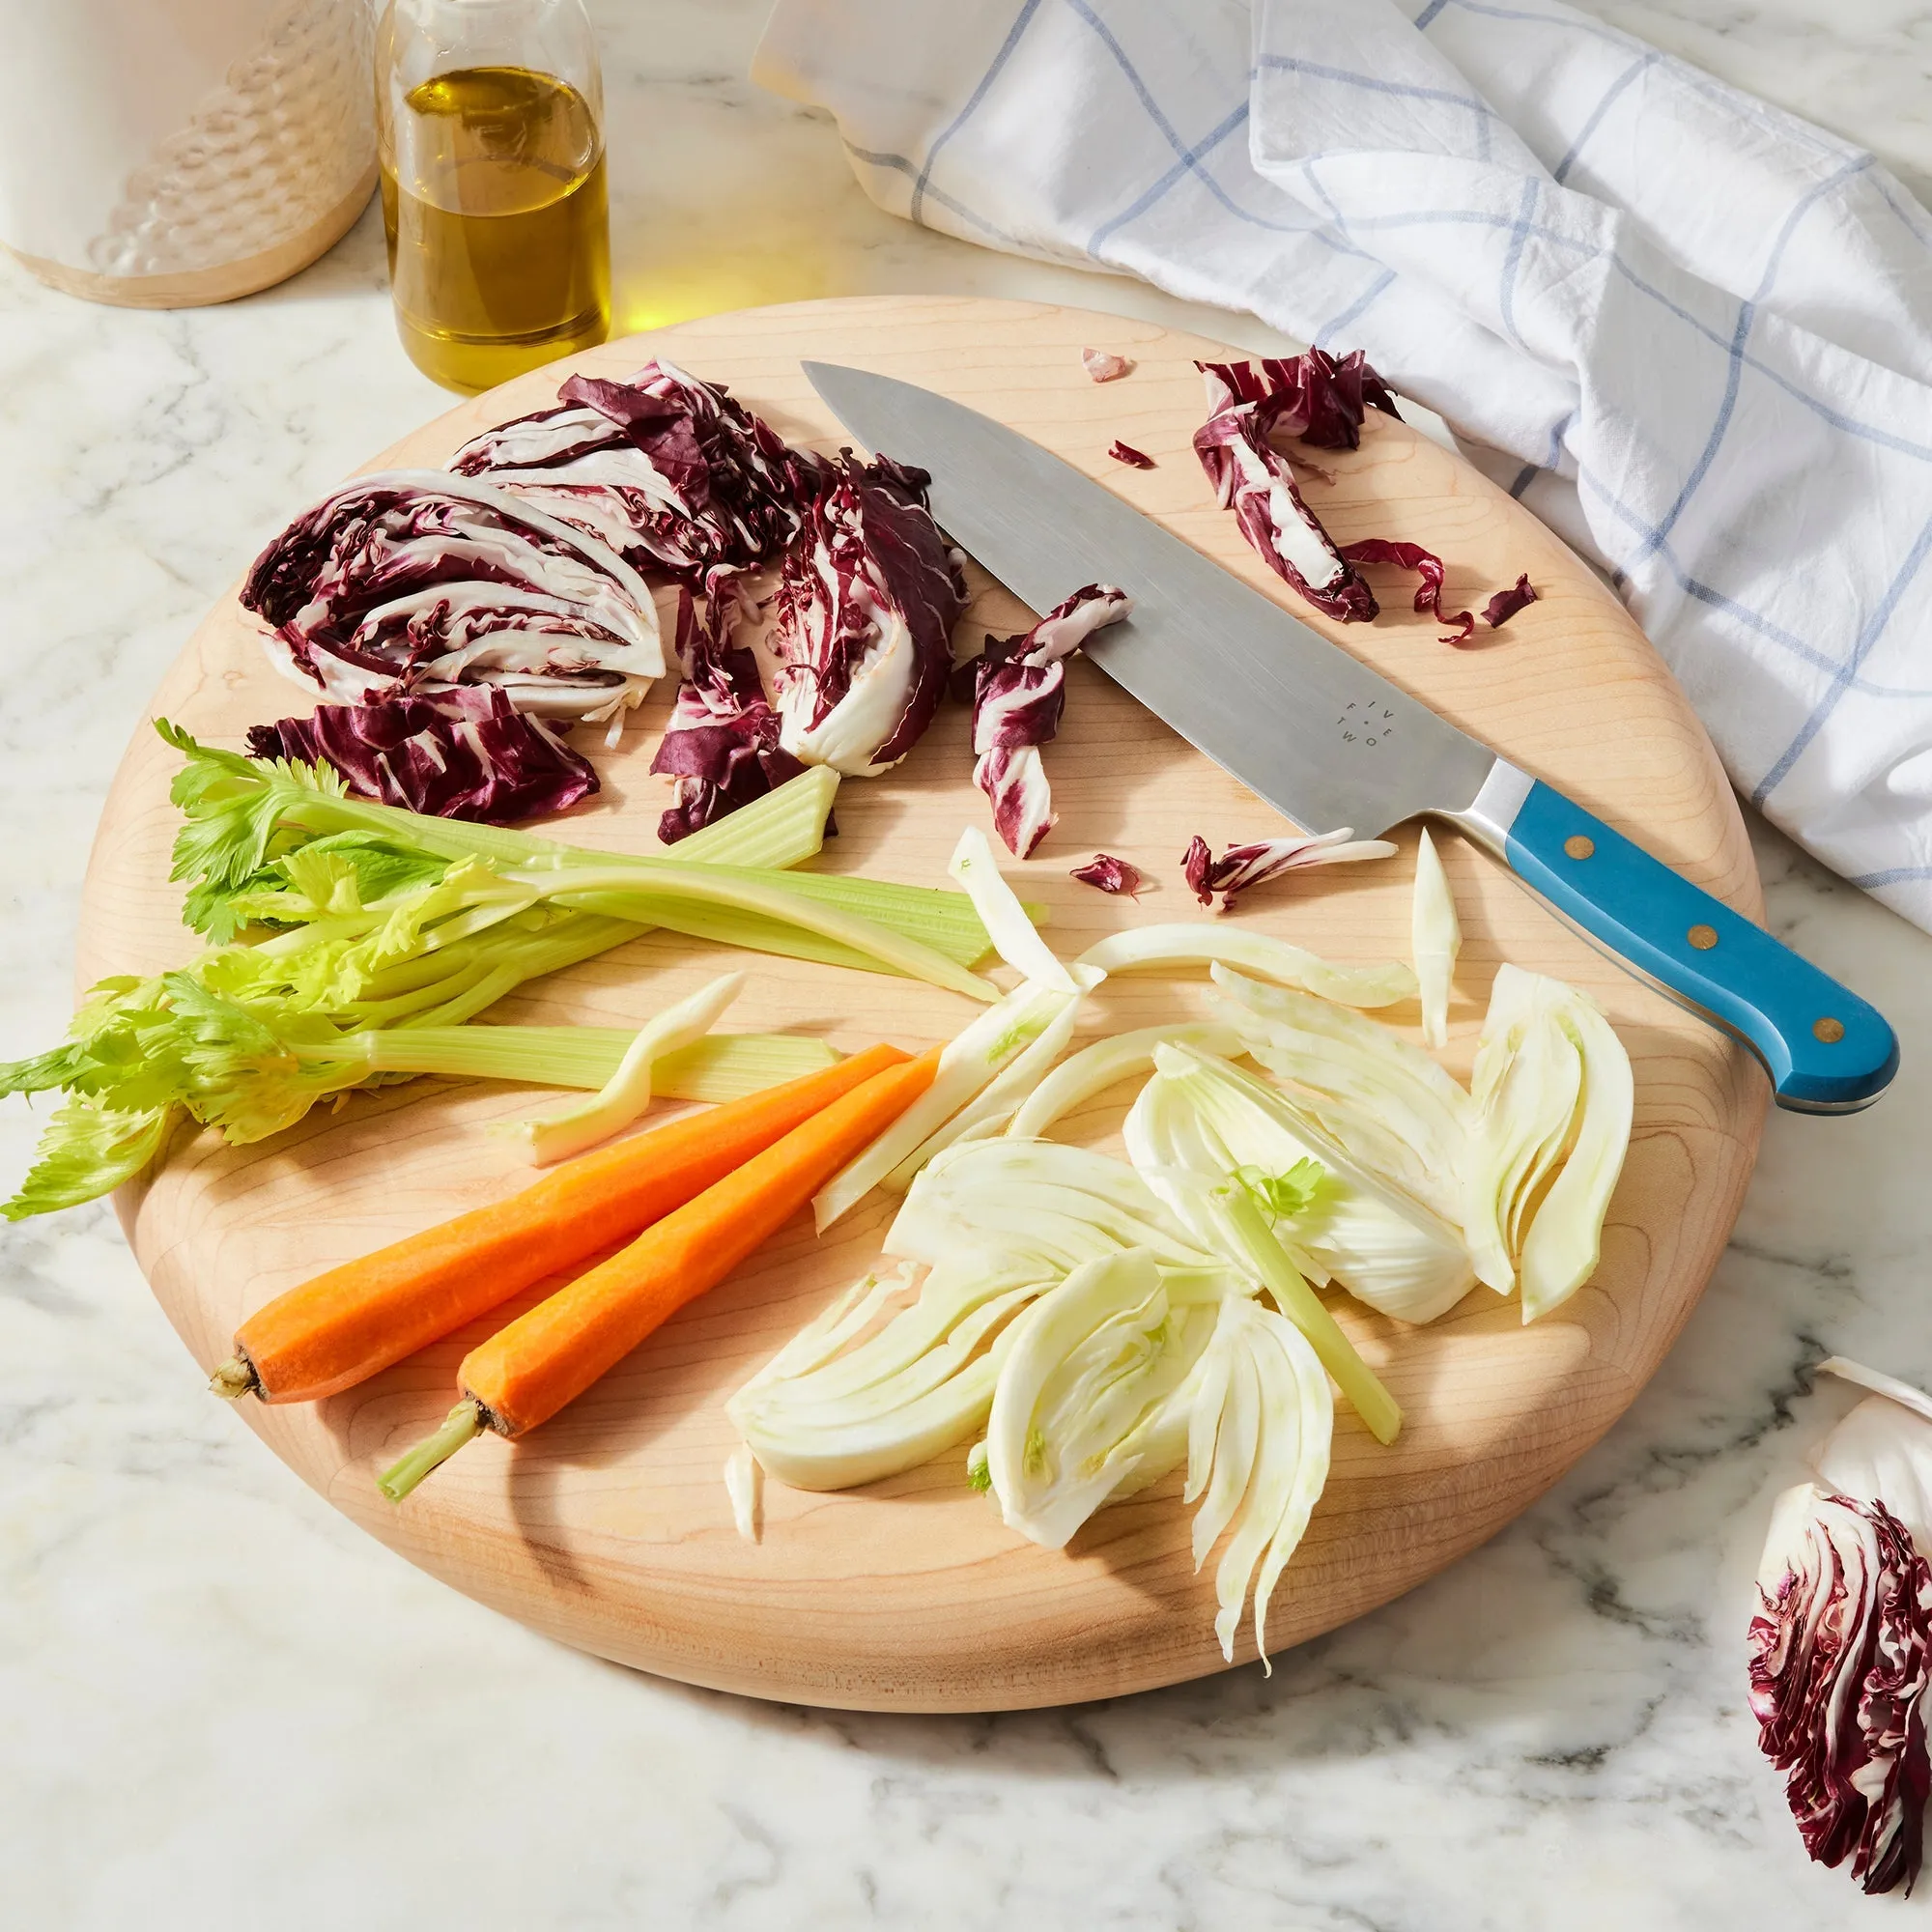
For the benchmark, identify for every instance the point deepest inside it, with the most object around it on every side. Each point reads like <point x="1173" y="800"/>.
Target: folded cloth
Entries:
<point x="1694" y="332"/>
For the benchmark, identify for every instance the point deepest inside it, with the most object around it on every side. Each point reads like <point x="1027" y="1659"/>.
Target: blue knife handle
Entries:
<point x="1826" y="1050"/>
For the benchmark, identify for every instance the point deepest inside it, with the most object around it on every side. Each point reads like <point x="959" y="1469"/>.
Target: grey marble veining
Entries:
<point x="220" y="1705"/>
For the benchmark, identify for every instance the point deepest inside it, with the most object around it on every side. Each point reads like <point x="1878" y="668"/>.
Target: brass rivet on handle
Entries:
<point x="1830" y="1030"/>
<point x="1702" y="937"/>
<point x="1578" y="846"/>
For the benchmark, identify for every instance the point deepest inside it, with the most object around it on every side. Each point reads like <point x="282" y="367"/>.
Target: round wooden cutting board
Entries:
<point x="610" y="1528"/>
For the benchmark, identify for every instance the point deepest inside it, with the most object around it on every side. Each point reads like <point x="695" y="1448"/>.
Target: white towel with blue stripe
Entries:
<point x="1694" y="332"/>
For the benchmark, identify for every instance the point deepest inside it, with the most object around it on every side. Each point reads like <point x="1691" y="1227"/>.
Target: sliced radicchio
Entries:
<point x="672" y="472"/>
<point x="1252" y="479"/>
<point x="1242" y="867"/>
<point x="1838" y="1670"/>
<point x="1505" y="604"/>
<point x="1313" y="398"/>
<point x="721" y="744"/>
<point x="465" y="753"/>
<point x="412" y="581"/>
<point x="1125" y="452"/>
<point x="1108" y="874"/>
<point x="867" y="596"/>
<point x="1427" y="567"/>
<point x="1104" y="366"/>
<point x="1019" y="691"/>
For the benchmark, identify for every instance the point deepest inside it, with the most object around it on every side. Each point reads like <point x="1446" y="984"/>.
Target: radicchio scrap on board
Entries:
<point x="1019" y="691"/>
<point x="1312" y="398"/>
<point x="721" y="744"/>
<point x="1427" y="567"/>
<point x="1505" y="604"/>
<point x="867" y="596"/>
<point x="467" y="753"/>
<point x="670" y="471"/>
<point x="1252" y="479"/>
<point x="1125" y="452"/>
<point x="413" y="580"/>
<point x="1108" y="874"/>
<point x="1838" y="1671"/>
<point x="1241" y="868"/>
<point x="1104" y="366"/>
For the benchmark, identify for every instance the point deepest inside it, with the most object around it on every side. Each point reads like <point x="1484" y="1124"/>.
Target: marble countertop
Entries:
<point x="221" y="1704"/>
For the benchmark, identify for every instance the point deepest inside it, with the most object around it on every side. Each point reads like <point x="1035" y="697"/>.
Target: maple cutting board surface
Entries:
<point x="610" y="1528"/>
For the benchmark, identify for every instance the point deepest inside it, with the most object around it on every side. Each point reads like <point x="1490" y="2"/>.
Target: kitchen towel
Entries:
<point x="1694" y="333"/>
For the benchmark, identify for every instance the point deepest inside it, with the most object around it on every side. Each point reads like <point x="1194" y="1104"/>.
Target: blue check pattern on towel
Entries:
<point x="1694" y="333"/>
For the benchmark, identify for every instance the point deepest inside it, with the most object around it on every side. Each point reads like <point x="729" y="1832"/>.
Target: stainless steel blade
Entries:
<point x="1318" y="735"/>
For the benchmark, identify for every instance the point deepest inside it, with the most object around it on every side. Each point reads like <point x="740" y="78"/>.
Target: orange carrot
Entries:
<point x="340" y="1329"/>
<point x="529" y="1370"/>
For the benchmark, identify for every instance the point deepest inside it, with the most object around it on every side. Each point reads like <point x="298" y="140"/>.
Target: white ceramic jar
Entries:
<point x="162" y="154"/>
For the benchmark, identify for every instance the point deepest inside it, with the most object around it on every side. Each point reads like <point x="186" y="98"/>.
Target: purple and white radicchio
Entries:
<point x="1312" y="398"/>
<point x="413" y="580"/>
<point x="721" y="744"/>
<point x="1019" y="691"/>
<point x="1252" y="479"/>
<point x="670" y="471"/>
<point x="1241" y="868"/>
<point x="1838" y="1670"/>
<point x="467" y="753"/>
<point x="868" y="593"/>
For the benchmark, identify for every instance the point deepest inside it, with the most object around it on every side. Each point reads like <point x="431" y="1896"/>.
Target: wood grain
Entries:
<point x="610" y="1528"/>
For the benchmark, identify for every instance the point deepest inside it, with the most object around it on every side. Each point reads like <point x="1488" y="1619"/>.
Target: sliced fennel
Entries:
<point x="1106" y="1063"/>
<point x="994" y="1105"/>
<point x="1004" y="919"/>
<point x="1201" y="1116"/>
<point x="1382" y="1099"/>
<point x="740" y="1486"/>
<point x="1153" y="949"/>
<point x="1436" y="938"/>
<point x="967" y="1066"/>
<point x="627" y="1093"/>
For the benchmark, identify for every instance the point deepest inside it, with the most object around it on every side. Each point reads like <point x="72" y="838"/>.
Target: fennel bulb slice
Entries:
<point x="1014" y="937"/>
<point x="967" y="1066"/>
<point x="1382" y="1099"/>
<point x="1106" y="1063"/>
<point x="1435" y="939"/>
<point x="1214" y="1122"/>
<point x="1155" y="948"/>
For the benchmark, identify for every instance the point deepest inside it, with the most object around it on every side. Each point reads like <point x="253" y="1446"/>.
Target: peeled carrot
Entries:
<point x="340" y="1329"/>
<point x="529" y="1370"/>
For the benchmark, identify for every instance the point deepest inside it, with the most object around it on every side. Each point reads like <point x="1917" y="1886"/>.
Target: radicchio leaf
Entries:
<point x="412" y="581"/>
<point x="1125" y="452"/>
<point x="1104" y="366"/>
<point x="1019" y="689"/>
<point x="1242" y="867"/>
<point x="1109" y="874"/>
<point x="672" y="473"/>
<point x="1505" y="604"/>
<point x="1313" y="397"/>
<point x="465" y="753"/>
<point x="1251" y="478"/>
<point x="868" y="597"/>
<point x="721" y="744"/>
<point x="1427" y="567"/>
<point x="1838" y="1669"/>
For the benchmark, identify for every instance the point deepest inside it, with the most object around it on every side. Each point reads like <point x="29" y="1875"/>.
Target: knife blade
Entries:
<point x="1330" y="742"/>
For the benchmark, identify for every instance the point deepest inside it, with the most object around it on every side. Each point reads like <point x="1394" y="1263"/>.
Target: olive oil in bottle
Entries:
<point x="495" y="205"/>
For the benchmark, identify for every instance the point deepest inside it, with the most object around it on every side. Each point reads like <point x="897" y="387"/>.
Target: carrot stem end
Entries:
<point x="464" y="1421"/>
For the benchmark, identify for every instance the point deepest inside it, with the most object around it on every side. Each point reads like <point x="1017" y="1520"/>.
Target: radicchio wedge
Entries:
<point x="1241" y="868"/>
<point x="721" y="744"/>
<point x="1838" y="1669"/>
<point x="867" y="596"/>
<point x="1019" y="691"/>
<point x="670" y="471"/>
<point x="467" y="753"/>
<point x="413" y="580"/>
<point x="1252" y="479"/>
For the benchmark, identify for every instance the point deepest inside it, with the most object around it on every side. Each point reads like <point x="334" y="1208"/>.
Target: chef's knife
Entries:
<point x="1331" y="743"/>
